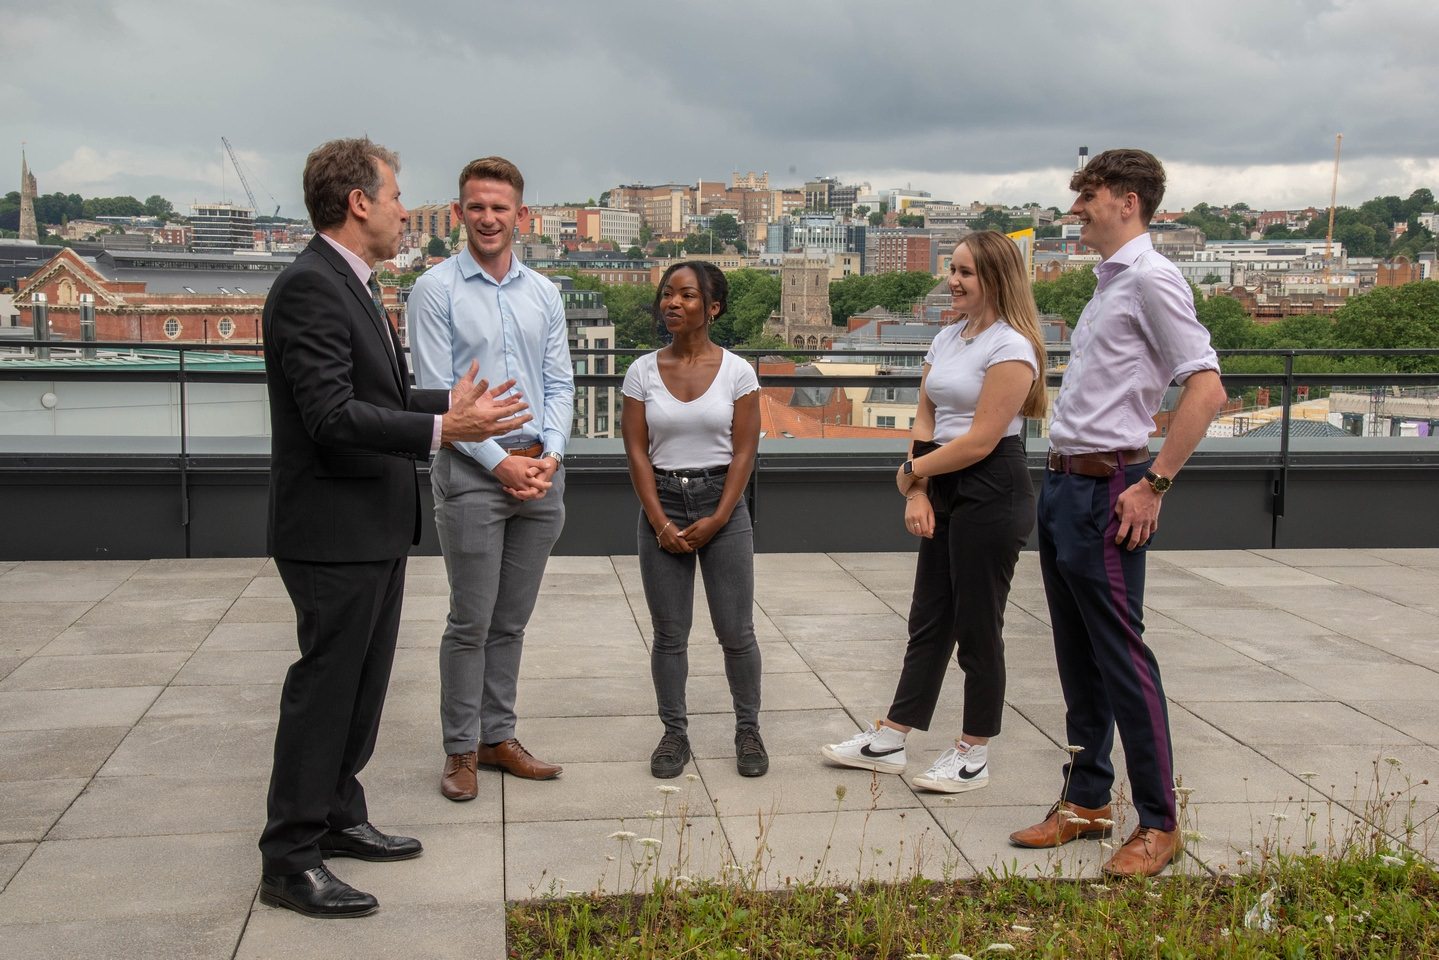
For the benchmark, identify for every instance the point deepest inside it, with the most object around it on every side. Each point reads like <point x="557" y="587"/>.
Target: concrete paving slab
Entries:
<point x="232" y="637"/>
<point x="161" y="805"/>
<point x="1231" y="774"/>
<point x="125" y="612"/>
<point x="1252" y="578"/>
<point x="799" y="785"/>
<point x="72" y="590"/>
<point x="1388" y="677"/>
<point x="828" y="655"/>
<point x="1235" y="835"/>
<point x="560" y="583"/>
<point x="1363" y="777"/>
<point x="609" y="657"/>
<point x="272" y="587"/>
<point x="219" y="667"/>
<point x="568" y="740"/>
<point x="1318" y="557"/>
<point x="599" y="791"/>
<point x="180" y="588"/>
<point x="200" y="568"/>
<point x="50" y="570"/>
<point x="781" y="603"/>
<point x="876" y="561"/>
<point x="27" y="626"/>
<point x="1277" y="627"/>
<point x="74" y="672"/>
<point x="706" y="657"/>
<point x="416" y="585"/>
<point x="235" y="703"/>
<point x="29" y="808"/>
<point x="981" y="833"/>
<point x="767" y="564"/>
<point x="98" y="639"/>
<point x="414" y="798"/>
<point x="62" y="709"/>
<point x="786" y="733"/>
<point x="799" y="691"/>
<point x="1244" y="683"/>
<point x="463" y="864"/>
<point x="1416" y="717"/>
<point x="126" y="877"/>
<point x="630" y="694"/>
<point x="1423" y="557"/>
<point x="438" y="932"/>
<point x="554" y="858"/>
<point x="56" y="754"/>
<point x="843" y="847"/>
<point x="886" y="625"/>
<point x="205" y="936"/>
<point x="829" y="579"/>
<point x="202" y="748"/>
<point x="260" y="610"/>
<point x="8" y="665"/>
<point x="12" y="856"/>
<point x="1190" y="559"/>
<point x="1289" y="722"/>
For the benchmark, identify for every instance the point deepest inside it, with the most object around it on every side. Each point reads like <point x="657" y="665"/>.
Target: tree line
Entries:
<point x="1365" y="231"/>
<point x="59" y="208"/>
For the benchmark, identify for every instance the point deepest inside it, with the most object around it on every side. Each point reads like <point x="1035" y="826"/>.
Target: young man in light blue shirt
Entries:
<point x="499" y="505"/>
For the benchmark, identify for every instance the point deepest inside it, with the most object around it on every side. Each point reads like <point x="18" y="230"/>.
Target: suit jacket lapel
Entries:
<point x="362" y="295"/>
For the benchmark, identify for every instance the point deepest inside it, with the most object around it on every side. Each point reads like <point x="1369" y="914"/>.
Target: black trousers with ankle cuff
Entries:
<point x="982" y="516"/>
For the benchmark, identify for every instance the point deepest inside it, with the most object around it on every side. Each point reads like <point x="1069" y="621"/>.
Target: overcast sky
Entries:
<point x="1240" y="98"/>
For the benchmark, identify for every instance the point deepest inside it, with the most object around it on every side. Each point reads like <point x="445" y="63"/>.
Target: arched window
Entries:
<point x="226" y="327"/>
<point x="799" y="342"/>
<point x="65" y="293"/>
<point x="826" y="343"/>
<point x="172" y="327"/>
<point x="813" y="342"/>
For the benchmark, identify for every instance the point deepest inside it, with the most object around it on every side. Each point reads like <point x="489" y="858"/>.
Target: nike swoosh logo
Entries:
<point x="865" y="751"/>
<point x="966" y="774"/>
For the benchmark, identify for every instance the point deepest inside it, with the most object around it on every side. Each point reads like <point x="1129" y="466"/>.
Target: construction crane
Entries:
<point x="244" y="181"/>
<point x="1333" y="198"/>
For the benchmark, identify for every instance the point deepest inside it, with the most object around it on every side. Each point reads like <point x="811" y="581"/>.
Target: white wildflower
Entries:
<point x="1194" y="836"/>
<point x="1158" y="938"/>
<point x="1072" y="750"/>
<point x="1279" y="817"/>
<point x="1183" y="791"/>
<point x="1224" y="931"/>
<point x="1106" y="844"/>
<point x="917" y="956"/>
<point x="681" y="878"/>
<point x="840" y="898"/>
<point x="1152" y="895"/>
<point x="1329" y="919"/>
<point x="1020" y="928"/>
<point x="666" y="789"/>
<point x="1394" y="761"/>
<point x="959" y="956"/>
<point x="1309" y="774"/>
<point x="654" y="814"/>
<point x="1389" y="861"/>
<point x="1077" y="821"/>
<point x="1104" y="821"/>
<point x="650" y="842"/>
<point x="999" y="948"/>
<point x="621" y="835"/>
<point x="610" y="857"/>
<point x="692" y="777"/>
<point x="1099" y="888"/>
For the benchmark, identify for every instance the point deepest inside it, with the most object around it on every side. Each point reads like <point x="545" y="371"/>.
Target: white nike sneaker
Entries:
<point x="877" y="748"/>
<point x="957" y="771"/>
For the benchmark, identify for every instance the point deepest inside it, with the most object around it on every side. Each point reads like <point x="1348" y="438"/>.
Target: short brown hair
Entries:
<point x="493" y="168"/>
<point x="1125" y="171"/>
<point x="334" y="169"/>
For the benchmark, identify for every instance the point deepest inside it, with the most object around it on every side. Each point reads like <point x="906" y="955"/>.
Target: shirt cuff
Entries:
<point x="435" y="438"/>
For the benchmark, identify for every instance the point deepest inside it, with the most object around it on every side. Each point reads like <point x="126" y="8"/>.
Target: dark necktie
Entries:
<point x="377" y="300"/>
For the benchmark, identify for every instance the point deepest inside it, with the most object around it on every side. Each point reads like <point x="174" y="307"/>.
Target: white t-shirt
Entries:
<point x="697" y="434"/>
<point x="956" y="374"/>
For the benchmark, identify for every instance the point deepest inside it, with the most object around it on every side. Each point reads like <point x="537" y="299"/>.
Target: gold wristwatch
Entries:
<point x="1157" y="483"/>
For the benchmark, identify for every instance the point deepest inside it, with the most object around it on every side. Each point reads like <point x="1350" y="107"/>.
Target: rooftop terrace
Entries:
<point x="138" y="701"/>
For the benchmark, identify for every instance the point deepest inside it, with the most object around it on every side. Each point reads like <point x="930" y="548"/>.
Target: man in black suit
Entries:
<point x="344" y="511"/>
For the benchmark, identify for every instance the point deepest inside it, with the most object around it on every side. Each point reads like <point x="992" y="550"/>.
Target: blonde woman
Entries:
<point x="970" y="501"/>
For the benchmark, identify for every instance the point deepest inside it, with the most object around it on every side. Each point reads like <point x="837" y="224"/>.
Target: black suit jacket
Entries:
<point x="346" y="428"/>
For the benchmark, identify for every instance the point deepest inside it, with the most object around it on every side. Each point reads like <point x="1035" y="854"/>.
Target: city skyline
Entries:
<point x="1240" y="103"/>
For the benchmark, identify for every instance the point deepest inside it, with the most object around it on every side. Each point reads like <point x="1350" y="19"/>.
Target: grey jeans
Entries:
<point x="495" y="552"/>
<point x="727" y="565"/>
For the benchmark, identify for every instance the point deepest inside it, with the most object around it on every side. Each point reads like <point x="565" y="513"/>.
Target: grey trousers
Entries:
<point x="495" y="551"/>
<point x="727" y="565"/>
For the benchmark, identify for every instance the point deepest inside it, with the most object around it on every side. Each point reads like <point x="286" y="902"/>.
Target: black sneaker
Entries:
<point x="750" y="758"/>
<point x="669" y="759"/>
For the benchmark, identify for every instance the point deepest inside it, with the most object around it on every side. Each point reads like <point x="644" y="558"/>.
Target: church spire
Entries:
<point x="28" y="230"/>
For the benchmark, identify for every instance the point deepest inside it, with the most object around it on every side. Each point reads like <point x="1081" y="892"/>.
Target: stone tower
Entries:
<point x="28" y="230"/>
<point x="804" y="318"/>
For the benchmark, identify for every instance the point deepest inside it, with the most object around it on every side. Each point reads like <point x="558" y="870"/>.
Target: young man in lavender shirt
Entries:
<point x="1099" y="507"/>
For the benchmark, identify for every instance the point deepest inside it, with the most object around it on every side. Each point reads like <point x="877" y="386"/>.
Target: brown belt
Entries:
<point x="1097" y="464"/>
<point x="532" y="451"/>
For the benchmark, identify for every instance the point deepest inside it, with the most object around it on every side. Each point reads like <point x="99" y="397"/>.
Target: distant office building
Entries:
<point x="432" y="220"/>
<point x="828" y="194"/>
<point x="221" y="227"/>
<point x="596" y="408"/>
<point x="607" y="224"/>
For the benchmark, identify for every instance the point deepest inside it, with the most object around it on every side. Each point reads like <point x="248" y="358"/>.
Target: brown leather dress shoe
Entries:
<point x="1066" y="821"/>
<point x="459" y="782"/>
<point x="1144" y="854"/>
<point x="515" y="760"/>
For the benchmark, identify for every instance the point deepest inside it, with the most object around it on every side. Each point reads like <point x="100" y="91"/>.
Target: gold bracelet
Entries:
<point x="660" y="536"/>
<point x="913" y="495"/>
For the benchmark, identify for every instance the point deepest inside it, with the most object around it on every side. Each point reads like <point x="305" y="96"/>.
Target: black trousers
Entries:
<point x="982" y="516"/>
<point x="1109" y="675"/>
<point x="348" y="618"/>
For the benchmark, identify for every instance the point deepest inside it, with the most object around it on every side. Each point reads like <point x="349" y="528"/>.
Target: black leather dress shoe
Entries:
<point x="315" y="893"/>
<point x="364" y="842"/>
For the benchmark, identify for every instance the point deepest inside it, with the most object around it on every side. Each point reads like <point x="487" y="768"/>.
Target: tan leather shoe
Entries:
<point x="515" y="760"/>
<point x="1144" y="854"/>
<point x="459" y="782"/>
<point x="1065" y="822"/>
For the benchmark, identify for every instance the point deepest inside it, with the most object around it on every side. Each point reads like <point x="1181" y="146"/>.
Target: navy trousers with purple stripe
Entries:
<point x="1095" y="590"/>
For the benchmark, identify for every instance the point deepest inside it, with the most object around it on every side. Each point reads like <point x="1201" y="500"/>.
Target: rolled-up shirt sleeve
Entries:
<point x="1180" y="341"/>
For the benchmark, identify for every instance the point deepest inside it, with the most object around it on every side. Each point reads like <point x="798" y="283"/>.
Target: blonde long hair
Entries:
<point x="1002" y="277"/>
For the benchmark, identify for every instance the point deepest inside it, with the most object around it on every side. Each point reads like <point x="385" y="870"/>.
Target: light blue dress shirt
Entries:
<point x="515" y="328"/>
